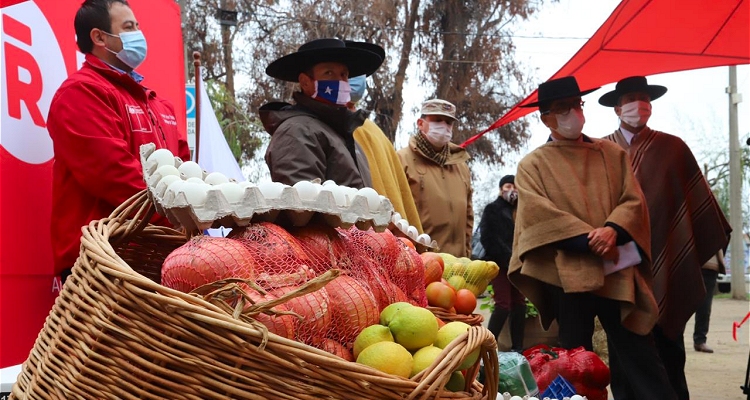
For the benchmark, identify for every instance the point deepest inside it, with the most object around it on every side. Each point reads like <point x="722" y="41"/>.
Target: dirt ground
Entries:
<point x="718" y="375"/>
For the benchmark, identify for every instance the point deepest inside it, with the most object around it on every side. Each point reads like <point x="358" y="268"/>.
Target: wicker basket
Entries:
<point x="445" y="315"/>
<point x="115" y="333"/>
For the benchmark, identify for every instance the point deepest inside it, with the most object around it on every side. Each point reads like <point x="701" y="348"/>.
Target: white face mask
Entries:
<point x="439" y="133"/>
<point x="570" y="126"/>
<point x="635" y="113"/>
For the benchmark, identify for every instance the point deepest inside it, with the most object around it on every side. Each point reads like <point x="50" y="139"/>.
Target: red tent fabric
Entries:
<point x="646" y="37"/>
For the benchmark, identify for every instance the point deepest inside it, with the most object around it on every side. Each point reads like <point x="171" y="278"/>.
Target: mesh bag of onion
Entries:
<point x="377" y="269"/>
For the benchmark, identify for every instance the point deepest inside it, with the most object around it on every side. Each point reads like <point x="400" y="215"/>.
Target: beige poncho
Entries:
<point x="687" y="224"/>
<point x="566" y="189"/>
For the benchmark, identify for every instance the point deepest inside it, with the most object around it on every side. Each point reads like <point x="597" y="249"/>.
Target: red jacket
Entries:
<point x="98" y="119"/>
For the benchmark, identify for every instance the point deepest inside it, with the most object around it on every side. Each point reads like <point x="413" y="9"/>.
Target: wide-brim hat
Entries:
<point x="556" y="89"/>
<point x="630" y="85"/>
<point x="358" y="60"/>
<point x="366" y="46"/>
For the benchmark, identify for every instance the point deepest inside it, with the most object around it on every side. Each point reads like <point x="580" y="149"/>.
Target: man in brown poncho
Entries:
<point x="687" y="225"/>
<point x="581" y="245"/>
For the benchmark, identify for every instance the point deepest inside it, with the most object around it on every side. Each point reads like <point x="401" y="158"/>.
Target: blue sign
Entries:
<point x="190" y="100"/>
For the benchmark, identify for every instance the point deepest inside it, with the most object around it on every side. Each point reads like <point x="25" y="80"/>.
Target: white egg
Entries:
<point x="373" y="198"/>
<point x="412" y="232"/>
<point x="395" y="217"/>
<point x="516" y="398"/>
<point x="232" y="191"/>
<point x="338" y="192"/>
<point x="246" y="184"/>
<point x="162" y="157"/>
<point x="191" y="169"/>
<point x="195" y="180"/>
<point x="174" y="187"/>
<point x="216" y="178"/>
<point x="533" y="398"/>
<point x="162" y="172"/>
<point x="164" y="182"/>
<point x="402" y="225"/>
<point x="350" y="193"/>
<point x="576" y="397"/>
<point x="424" y="239"/>
<point x="271" y="190"/>
<point x="195" y="193"/>
<point x="306" y="190"/>
<point x="329" y="183"/>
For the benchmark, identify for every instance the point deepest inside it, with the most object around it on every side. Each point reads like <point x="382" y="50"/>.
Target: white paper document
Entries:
<point x="629" y="256"/>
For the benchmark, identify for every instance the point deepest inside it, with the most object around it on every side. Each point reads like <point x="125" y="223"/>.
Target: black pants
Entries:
<point x="672" y="351"/>
<point x="703" y="313"/>
<point x="636" y="369"/>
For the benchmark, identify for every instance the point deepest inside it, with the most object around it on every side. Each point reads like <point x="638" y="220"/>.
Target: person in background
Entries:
<point x="439" y="179"/>
<point x="386" y="172"/>
<point x="711" y="269"/>
<point x="581" y="246"/>
<point x="496" y="227"/>
<point x="98" y="119"/>
<point x="687" y="224"/>
<point x="313" y="139"/>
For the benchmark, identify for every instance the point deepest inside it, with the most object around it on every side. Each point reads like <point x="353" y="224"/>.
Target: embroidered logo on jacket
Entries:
<point x="139" y="121"/>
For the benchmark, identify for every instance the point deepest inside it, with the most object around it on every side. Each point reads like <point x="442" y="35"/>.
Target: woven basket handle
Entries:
<point x="133" y="215"/>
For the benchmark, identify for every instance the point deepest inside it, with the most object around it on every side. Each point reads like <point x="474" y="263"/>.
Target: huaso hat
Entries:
<point x="358" y="60"/>
<point x="630" y="85"/>
<point x="556" y="89"/>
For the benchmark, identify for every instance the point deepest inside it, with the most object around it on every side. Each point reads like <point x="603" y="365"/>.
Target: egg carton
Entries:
<point x="401" y="228"/>
<point x="288" y="209"/>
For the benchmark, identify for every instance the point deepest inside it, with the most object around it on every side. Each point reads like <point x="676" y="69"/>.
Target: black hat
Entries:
<point x="366" y="46"/>
<point x="507" y="179"/>
<point x="357" y="59"/>
<point x="630" y="85"/>
<point x="556" y="89"/>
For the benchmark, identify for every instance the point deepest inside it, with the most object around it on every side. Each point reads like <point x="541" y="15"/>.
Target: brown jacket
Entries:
<point x="314" y="140"/>
<point x="443" y="196"/>
<point x="566" y="189"/>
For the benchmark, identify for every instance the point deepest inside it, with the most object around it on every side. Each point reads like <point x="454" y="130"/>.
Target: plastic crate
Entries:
<point x="559" y="389"/>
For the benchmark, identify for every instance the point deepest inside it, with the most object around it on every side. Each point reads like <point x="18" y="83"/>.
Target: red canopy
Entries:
<point x="646" y="37"/>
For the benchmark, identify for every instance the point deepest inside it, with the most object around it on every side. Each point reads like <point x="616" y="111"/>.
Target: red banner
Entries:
<point x="37" y="52"/>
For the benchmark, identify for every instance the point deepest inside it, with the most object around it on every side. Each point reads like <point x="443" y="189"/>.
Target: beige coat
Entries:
<point x="566" y="189"/>
<point x="443" y="196"/>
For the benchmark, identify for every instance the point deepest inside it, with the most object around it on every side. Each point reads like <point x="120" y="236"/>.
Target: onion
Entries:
<point x="206" y="259"/>
<point x="336" y="349"/>
<point x="281" y="324"/>
<point x="353" y="308"/>
<point x="272" y="247"/>
<point x="314" y="310"/>
<point x="325" y="247"/>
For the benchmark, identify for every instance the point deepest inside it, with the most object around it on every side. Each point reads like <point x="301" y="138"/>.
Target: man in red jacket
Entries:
<point x="98" y="119"/>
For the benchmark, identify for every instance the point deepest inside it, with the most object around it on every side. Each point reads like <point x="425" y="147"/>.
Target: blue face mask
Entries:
<point x="133" y="48"/>
<point x="358" y="85"/>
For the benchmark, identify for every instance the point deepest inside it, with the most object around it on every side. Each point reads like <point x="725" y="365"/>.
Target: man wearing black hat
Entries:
<point x="496" y="227"/>
<point x="582" y="245"/>
<point x="687" y="225"/>
<point x="313" y="138"/>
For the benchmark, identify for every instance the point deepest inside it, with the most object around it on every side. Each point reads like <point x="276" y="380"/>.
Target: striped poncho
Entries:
<point x="687" y="224"/>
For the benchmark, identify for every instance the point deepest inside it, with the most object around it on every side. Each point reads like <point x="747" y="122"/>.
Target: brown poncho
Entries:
<point x="687" y="224"/>
<point x="566" y="189"/>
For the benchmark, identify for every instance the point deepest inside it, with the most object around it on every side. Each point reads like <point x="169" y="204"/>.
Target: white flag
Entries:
<point x="215" y="154"/>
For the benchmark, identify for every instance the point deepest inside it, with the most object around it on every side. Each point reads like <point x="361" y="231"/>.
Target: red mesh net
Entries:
<point x="377" y="269"/>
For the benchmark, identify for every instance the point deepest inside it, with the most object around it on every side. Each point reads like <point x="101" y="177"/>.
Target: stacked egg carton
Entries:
<point x="196" y="200"/>
<point x="400" y="227"/>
